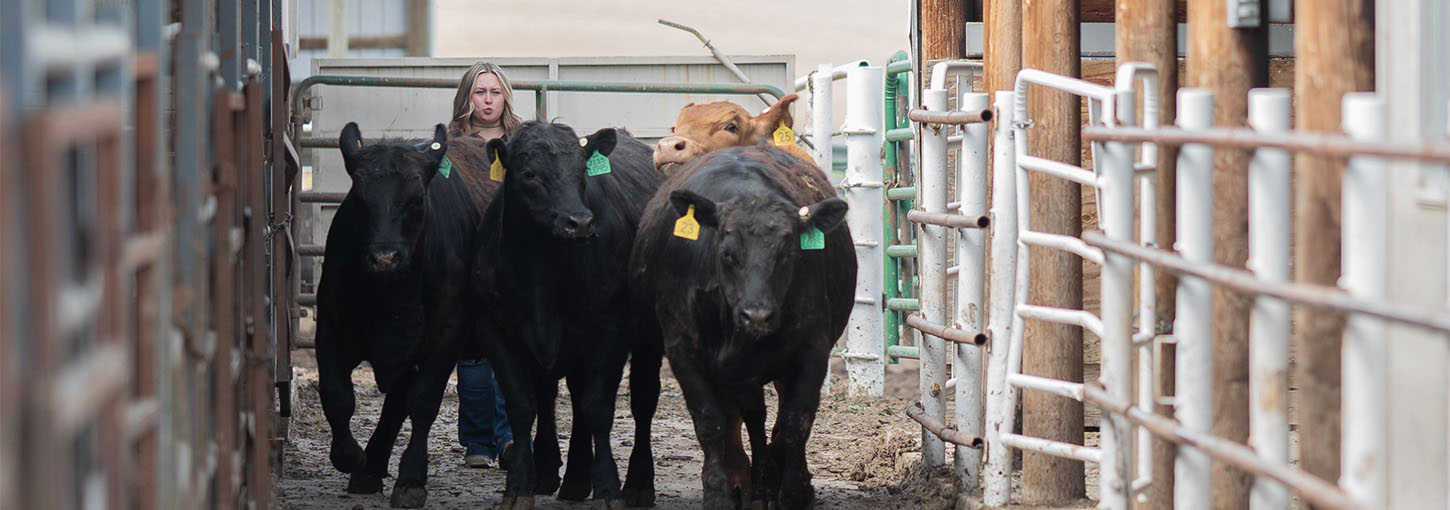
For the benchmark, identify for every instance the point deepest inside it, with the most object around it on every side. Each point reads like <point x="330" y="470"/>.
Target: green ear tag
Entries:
<point x="813" y="239"/>
<point x="598" y="164"/>
<point x="446" y="167"/>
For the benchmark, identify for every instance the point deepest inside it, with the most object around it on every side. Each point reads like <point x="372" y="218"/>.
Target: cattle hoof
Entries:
<point x="363" y="483"/>
<point x="574" y="489"/>
<point x="347" y="458"/>
<point x="516" y="503"/>
<point x="409" y="497"/>
<point x="638" y="497"/>
<point x="546" y="484"/>
<point x="607" y="504"/>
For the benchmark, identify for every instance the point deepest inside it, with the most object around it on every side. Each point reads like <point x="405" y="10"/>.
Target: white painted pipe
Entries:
<point x="931" y="193"/>
<point x="836" y="73"/>
<point x="1072" y="317"/>
<point x="1192" y="486"/>
<point x="1068" y="244"/>
<point x="1146" y="170"/>
<point x="1058" y="169"/>
<point x="971" y="279"/>
<point x="1269" y="231"/>
<point x="1058" y="387"/>
<point x="1063" y="83"/>
<point x="1053" y="448"/>
<point x="941" y="70"/>
<point x="821" y="116"/>
<point x="1115" y="195"/>
<point x="866" y="366"/>
<point x="1365" y="406"/>
<point x="997" y="478"/>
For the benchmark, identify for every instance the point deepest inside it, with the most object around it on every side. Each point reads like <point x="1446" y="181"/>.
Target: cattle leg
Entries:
<point x="334" y="374"/>
<point x="424" y="398"/>
<point x="644" y="398"/>
<point x="800" y="396"/>
<point x="547" y="458"/>
<point x="598" y="396"/>
<point x="712" y="427"/>
<point x="380" y="445"/>
<point x="576" y="485"/>
<point x="764" y="483"/>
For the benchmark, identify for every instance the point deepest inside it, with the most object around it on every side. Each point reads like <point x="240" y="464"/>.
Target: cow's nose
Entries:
<point x="382" y="259"/>
<point x="577" y="225"/>
<point x="756" y="317"/>
<point x="680" y="145"/>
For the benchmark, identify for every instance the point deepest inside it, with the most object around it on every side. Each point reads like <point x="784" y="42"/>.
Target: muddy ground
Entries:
<point x="864" y="453"/>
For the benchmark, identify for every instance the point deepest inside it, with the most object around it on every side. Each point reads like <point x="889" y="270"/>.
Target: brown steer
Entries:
<point x="704" y="128"/>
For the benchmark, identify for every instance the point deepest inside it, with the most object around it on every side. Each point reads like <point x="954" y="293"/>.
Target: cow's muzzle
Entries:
<point x="674" y="150"/>
<point x="383" y="260"/>
<point x="755" y="320"/>
<point x="575" y="225"/>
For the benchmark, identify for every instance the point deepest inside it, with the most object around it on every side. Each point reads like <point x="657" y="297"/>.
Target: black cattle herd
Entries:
<point x="579" y="258"/>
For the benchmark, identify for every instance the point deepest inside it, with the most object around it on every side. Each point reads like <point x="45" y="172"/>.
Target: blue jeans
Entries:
<point x="483" y="426"/>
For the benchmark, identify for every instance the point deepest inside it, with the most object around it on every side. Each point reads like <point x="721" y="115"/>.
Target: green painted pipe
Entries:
<point x="904" y="304"/>
<point x="903" y="351"/>
<point x="901" y="251"/>
<point x="899" y="135"/>
<point x="902" y="193"/>
<point x="891" y="272"/>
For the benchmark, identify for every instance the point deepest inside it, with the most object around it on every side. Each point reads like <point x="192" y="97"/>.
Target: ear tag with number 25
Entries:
<point x="784" y="135"/>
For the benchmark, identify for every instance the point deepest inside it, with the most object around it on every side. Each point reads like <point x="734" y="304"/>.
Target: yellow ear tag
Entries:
<point x="784" y="135"/>
<point x="495" y="171"/>
<point x="686" y="227"/>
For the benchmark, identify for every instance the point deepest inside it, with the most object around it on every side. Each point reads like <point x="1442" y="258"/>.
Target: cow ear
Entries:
<point x="826" y="214"/>
<point x="602" y="141"/>
<point x="497" y="149"/>
<point x="771" y="118"/>
<point x="434" y="151"/>
<point x="682" y="199"/>
<point x="350" y="143"/>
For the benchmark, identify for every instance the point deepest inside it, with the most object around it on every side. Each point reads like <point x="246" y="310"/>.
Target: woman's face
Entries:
<point x="487" y="99"/>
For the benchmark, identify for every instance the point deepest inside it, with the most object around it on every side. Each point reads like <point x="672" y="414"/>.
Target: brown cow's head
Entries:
<point x="709" y="127"/>
<point x="390" y="184"/>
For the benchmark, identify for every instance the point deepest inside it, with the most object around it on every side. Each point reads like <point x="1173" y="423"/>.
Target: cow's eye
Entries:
<point x="731" y="127"/>
<point x="528" y="175"/>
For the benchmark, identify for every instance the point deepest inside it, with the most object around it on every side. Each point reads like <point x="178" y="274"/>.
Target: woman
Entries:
<point x="483" y="107"/>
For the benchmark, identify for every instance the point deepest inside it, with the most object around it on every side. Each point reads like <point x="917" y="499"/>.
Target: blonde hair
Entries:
<point x="462" y="122"/>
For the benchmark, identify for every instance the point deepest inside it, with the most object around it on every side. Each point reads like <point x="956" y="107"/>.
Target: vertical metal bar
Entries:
<point x="1115" y="161"/>
<point x="864" y="135"/>
<point x="821" y="116"/>
<point x="971" y="278"/>
<point x="229" y="30"/>
<point x="1192" y="487"/>
<point x="1365" y="443"/>
<point x="931" y="193"/>
<point x="998" y="476"/>
<point x="1269" y="201"/>
<point x="337" y="29"/>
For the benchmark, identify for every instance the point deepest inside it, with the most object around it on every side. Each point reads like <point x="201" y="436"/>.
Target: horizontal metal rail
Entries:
<point x="903" y="351"/>
<point x="956" y="335"/>
<point x="301" y="89"/>
<point x="322" y="197"/>
<point x="899" y="134"/>
<point x="1319" y="492"/>
<point x="1058" y="387"/>
<point x="948" y="433"/>
<point x="311" y="250"/>
<point x="307" y="299"/>
<point x="902" y="193"/>
<point x="1058" y="169"/>
<point x="1068" y="244"/>
<point x="947" y="220"/>
<point x="903" y="304"/>
<point x="1318" y="296"/>
<point x="1320" y="144"/>
<point x="1080" y="318"/>
<point x="1055" y="448"/>
<point x="901" y="251"/>
<point x="899" y="66"/>
<point x="952" y="118"/>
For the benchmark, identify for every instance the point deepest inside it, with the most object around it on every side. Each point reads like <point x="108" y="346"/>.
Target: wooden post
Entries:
<point x="1147" y="31"/>
<point x="1229" y="62"/>
<point x="943" y="29"/>
<point x="1002" y="43"/>
<point x="1334" y="48"/>
<point x="420" y="26"/>
<point x="1050" y="43"/>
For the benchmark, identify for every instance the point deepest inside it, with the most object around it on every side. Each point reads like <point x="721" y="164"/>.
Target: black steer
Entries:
<point x="394" y="293"/>
<point x="759" y="296"/>
<point x="551" y="274"/>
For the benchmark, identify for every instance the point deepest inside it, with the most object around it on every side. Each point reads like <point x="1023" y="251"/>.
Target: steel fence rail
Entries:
<point x="1334" y="145"/>
<point x="950" y="118"/>
<point x="1318" y="296"/>
<point x="948" y="433"/>
<point x="1321" y="493"/>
